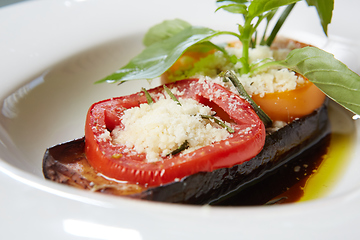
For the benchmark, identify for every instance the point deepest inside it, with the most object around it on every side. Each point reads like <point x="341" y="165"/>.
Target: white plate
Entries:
<point x="51" y="52"/>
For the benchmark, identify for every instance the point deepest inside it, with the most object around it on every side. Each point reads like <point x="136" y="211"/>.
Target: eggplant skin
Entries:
<point x="66" y="163"/>
<point x="57" y="161"/>
<point x="280" y="147"/>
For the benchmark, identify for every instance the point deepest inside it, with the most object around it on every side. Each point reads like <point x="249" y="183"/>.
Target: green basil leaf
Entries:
<point x="330" y="75"/>
<point x="164" y="30"/>
<point x="234" y="8"/>
<point x="258" y="7"/>
<point x="203" y="47"/>
<point x="160" y="56"/>
<point x="324" y="9"/>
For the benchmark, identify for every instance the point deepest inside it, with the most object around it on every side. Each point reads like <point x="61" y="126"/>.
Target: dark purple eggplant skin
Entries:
<point x="66" y="163"/>
<point x="56" y="163"/>
<point x="281" y="147"/>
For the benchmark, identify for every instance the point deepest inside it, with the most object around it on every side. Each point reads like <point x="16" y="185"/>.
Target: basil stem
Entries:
<point x="219" y="122"/>
<point x="147" y="95"/>
<point x="181" y="148"/>
<point x="171" y="95"/>
<point x="229" y="76"/>
<point x="279" y="23"/>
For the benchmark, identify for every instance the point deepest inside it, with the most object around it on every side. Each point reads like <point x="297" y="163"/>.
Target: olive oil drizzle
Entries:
<point x="284" y="184"/>
<point x="331" y="168"/>
<point x="308" y="177"/>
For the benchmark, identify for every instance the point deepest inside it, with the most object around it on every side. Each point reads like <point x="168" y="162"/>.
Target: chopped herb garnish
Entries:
<point x="229" y="76"/>
<point x="171" y="95"/>
<point x="219" y="122"/>
<point x="181" y="148"/>
<point x="147" y="95"/>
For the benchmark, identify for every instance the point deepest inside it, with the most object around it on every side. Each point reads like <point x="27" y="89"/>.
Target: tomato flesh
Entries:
<point x="116" y="161"/>
<point x="184" y="63"/>
<point x="290" y="105"/>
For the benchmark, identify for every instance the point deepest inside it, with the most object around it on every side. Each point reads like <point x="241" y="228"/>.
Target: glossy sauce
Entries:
<point x="308" y="176"/>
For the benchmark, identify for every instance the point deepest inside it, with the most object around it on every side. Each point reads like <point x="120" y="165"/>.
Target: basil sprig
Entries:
<point x="333" y="77"/>
<point x="167" y="41"/>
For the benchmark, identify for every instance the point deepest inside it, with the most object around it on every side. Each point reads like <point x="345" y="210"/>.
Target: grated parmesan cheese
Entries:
<point x="267" y="81"/>
<point x="158" y="129"/>
<point x="271" y="81"/>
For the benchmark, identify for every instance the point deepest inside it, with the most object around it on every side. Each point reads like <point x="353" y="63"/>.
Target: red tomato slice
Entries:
<point x="116" y="161"/>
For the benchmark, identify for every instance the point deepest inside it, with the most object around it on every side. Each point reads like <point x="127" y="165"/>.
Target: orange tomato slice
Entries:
<point x="289" y="105"/>
<point x="185" y="62"/>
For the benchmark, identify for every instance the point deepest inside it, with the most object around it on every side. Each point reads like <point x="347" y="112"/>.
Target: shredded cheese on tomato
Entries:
<point x="269" y="80"/>
<point x="158" y="129"/>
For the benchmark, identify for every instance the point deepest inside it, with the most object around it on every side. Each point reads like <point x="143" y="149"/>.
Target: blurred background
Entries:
<point x="7" y="2"/>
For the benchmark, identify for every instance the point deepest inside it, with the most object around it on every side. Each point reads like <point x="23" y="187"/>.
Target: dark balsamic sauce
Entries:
<point x="284" y="184"/>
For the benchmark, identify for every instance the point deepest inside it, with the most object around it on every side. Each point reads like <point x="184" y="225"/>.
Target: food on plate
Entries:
<point x="67" y="163"/>
<point x="130" y="140"/>
<point x="227" y="117"/>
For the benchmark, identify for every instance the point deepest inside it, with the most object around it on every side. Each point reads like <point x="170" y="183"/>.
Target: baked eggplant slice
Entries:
<point x="66" y="163"/>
